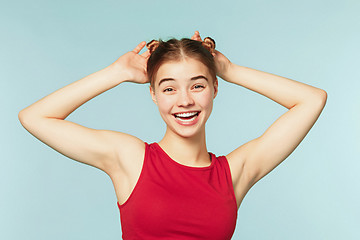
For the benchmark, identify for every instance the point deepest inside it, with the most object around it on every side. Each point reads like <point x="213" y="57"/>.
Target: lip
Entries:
<point x="186" y="112"/>
<point x="187" y="123"/>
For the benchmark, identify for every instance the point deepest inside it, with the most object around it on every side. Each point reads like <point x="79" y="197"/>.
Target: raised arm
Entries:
<point x="45" y="119"/>
<point x="305" y="103"/>
<point x="255" y="159"/>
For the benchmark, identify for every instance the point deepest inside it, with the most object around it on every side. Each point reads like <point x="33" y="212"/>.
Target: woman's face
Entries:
<point x="184" y="92"/>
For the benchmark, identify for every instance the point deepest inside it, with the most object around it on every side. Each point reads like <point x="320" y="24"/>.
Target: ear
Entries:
<point x="152" y="92"/>
<point x="216" y="85"/>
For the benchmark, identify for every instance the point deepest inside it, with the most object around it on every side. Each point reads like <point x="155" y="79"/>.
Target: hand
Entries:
<point x="222" y="63"/>
<point x="131" y="67"/>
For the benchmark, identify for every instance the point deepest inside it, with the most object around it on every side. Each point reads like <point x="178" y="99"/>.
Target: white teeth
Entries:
<point x="187" y="120"/>
<point x="189" y="114"/>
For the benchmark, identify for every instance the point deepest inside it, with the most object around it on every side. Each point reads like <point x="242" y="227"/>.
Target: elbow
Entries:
<point x="318" y="101"/>
<point x="322" y="96"/>
<point x="24" y="117"/>
<point x="21" y="116"/>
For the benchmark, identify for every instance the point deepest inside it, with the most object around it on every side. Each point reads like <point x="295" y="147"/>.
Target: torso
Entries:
<point x="124" y="181"/>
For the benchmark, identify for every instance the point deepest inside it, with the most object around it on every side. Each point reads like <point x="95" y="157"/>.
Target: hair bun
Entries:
<point x="209" y="44"/>
<point x="152" y="45"/>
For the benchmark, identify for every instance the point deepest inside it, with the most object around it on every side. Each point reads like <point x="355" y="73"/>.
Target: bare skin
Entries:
<point x="121" y="155"/>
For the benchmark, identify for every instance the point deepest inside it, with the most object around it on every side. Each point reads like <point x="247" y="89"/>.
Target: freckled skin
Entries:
<point x="183" y="94"/>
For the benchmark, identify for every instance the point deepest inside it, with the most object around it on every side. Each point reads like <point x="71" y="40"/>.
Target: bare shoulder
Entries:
<point x="127" y="163"/>
<point x="128" y="152"/>
<point x="241" y="176"/>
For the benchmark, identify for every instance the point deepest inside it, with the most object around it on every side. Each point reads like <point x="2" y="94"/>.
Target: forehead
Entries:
<point x="184" y="69"/>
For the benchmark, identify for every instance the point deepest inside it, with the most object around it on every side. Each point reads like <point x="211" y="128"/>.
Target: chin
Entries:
<point x="187" y="135"/>
<point x="186" y="132"/>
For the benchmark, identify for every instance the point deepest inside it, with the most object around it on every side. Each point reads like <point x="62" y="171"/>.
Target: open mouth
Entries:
<point x="186" y="117"/>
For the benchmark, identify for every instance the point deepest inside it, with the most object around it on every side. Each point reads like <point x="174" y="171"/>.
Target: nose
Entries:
<point x="185" y="99"/>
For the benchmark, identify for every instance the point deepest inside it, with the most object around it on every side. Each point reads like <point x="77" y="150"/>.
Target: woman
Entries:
<point x="176" y="189"/>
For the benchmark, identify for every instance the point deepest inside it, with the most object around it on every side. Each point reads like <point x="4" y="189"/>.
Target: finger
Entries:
<point x="139" y="47"/>
<point x="194" y="36"/>
<point x="197" y="34"/>
<point x="146" y="54"/>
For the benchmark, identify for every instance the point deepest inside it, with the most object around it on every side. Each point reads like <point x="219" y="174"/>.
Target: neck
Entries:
<point x="190" y="151"/>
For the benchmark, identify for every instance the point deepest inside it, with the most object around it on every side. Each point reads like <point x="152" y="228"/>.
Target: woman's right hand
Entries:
<point x="131" y="67"/>
<point x="103" y="149"/>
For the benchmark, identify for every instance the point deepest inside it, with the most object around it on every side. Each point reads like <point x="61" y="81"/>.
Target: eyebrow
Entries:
<point x="193" y="78"/>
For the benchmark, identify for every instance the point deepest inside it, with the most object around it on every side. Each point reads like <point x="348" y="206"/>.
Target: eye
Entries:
<point x="198" y="86"/>
<point x="168" y="90"/>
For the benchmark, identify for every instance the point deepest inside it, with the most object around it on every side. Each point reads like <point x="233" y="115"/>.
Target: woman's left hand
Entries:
<point x="222" y="63"/>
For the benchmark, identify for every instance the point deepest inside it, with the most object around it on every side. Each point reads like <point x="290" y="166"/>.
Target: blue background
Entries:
<point x="46" y="45"/>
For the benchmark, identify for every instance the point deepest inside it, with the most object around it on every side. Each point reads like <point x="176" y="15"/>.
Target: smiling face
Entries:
<point x="184" y="92"/>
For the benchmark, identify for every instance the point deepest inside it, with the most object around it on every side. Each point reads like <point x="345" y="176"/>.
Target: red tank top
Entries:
<point x="174" y="201"/>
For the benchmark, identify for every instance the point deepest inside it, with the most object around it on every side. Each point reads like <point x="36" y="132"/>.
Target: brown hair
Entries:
<point x="176" y="50"/>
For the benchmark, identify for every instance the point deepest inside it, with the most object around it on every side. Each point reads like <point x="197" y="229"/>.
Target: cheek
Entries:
<point x="164" y="103"/>
<point x="206" y="99"/>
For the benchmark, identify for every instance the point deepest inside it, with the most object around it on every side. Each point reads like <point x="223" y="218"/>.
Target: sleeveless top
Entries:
<point x="175" y="201"/>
